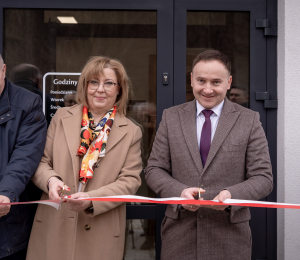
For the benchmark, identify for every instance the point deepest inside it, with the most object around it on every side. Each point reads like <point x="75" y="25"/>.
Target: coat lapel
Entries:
<point x="188" y="124"/>
<point x="227" y="120"/>
<point x="72" y="126"/>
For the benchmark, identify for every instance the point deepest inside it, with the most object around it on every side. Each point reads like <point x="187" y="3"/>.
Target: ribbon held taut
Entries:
<point x="175" y="200"/>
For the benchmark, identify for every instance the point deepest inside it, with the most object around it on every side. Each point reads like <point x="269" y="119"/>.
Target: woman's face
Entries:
<point x="101" y="99"/>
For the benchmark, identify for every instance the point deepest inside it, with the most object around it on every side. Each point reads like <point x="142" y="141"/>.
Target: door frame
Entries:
<point x="263" y="71"/>
<point x="164" y="11"/>
<point x="171" y="59"/>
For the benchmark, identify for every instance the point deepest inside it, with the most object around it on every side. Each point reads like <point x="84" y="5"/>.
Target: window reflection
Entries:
<point x="239" y="95"/>
<point x="70" y="99"/>
<point x="228" y="32"/>
<point x="27" y="76"/>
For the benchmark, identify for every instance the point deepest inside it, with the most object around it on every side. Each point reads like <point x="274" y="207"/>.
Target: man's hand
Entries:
<point x="190" y="193"/>
<point x="221" y="197"/>
<point x="5" y="208"/>
<point x="55" y="186"/>
<point x="78" y="205"/>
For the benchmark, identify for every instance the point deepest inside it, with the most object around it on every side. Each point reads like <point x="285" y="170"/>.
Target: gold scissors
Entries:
<point x="61" y="194"/>
<point x="199" y="194"/>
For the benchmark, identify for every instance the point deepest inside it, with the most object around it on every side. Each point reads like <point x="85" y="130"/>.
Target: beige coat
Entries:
<point x="65" y="234"/>
<point x="238" y="161"/>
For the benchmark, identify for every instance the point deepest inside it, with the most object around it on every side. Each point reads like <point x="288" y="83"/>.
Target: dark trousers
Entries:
<point x="20" y="255"/>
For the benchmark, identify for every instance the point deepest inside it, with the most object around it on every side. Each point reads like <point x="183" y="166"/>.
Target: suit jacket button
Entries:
<point x="87" y="227"/>
<point x="201" y="216"/>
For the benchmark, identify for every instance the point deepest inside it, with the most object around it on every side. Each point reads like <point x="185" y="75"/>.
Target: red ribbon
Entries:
<point x="243" y="203"/>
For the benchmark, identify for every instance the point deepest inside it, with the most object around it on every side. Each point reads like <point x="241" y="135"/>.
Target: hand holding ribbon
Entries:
<point x="55" y="187"/>
<point x="221" y="197"/>
<point x="4" y="209"/>
<point x="76" y="203"/>
<point x="190" y="193"/>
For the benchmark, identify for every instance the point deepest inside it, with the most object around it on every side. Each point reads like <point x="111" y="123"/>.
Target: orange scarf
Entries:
<point x="93" y="141"/>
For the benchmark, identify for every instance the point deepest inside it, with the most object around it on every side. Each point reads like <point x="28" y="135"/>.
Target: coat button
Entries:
<point x="201" y="216"/>
<point x="14" y="199"/>
<point x="87" y="227"/>
<point x="8" y="114"/>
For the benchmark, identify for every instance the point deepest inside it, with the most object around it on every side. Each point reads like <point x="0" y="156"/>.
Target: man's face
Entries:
<point x="238" y="96"/>
<point x="2" y="76"/>
<point x="210" y="81"/>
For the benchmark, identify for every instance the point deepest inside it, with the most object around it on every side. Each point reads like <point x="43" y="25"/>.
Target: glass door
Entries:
<point x="228" y="26"/>
<point x="50" y="41"/>
<point x="45" y="47"/>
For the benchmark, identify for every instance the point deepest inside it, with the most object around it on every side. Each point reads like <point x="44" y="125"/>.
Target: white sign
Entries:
<point x="65" y="81"/>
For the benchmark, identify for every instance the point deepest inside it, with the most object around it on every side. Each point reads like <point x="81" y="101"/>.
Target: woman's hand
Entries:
<point x="78" y="205"/>
<point x="55" y="186"/>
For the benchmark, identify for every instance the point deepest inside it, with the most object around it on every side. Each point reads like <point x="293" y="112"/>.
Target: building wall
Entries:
<point x="288" y="127"/>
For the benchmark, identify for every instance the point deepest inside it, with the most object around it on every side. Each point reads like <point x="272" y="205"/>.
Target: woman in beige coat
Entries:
<point x="94" y="150"/>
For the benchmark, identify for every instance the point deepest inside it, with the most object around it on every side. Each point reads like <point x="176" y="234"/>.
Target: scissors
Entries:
<point x="61" y="194"/>
<point x="199" y="194"/>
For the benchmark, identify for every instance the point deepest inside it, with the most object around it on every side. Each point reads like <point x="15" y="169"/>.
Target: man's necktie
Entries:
<point x="205" y="136"/>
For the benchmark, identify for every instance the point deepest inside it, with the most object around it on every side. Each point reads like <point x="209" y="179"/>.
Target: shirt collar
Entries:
<point x="217" y="109"/>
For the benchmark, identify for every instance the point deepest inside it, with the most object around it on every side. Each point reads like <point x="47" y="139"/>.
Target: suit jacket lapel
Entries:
<point x="227" y="120"/>
<point x="188" y="124"/>
<point x="72" y="126"/>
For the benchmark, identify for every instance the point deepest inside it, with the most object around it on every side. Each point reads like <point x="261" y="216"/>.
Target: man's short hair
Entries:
<point x="211" y="55"/>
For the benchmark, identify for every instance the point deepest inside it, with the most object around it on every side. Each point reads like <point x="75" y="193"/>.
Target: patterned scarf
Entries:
<point x="93" y="141"/>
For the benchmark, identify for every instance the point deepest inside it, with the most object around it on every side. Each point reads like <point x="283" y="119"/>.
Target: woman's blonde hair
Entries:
<point x="93" y="68"/>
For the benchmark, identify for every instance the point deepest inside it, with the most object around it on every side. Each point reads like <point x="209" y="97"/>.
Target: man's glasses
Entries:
<point x="108" y="85"/>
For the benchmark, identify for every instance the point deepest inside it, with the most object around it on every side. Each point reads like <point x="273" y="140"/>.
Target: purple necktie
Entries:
<point x="205" y="136"/>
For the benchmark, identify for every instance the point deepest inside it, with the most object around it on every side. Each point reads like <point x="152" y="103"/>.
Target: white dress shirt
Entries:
<point x="214" y="118"/>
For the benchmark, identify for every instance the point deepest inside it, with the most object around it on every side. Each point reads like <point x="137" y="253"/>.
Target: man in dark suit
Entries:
<point x="220" y="147"/>
<point x="23" y="130"/>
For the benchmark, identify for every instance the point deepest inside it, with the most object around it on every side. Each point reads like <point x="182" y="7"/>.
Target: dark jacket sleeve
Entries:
<point x="27" y="153"/>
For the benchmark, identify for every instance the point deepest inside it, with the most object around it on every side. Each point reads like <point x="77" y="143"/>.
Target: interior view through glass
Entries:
<point x="38" y="41"/>
<point x="228" y="32"/>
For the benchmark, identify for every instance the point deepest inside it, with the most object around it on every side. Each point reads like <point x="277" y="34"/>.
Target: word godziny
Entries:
<point x="65" y="82"/>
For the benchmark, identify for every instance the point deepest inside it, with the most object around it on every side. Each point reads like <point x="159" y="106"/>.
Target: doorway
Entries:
<point x="152" y="39"/>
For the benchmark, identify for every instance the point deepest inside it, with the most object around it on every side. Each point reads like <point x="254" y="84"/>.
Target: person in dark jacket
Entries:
<point x="23" y="131"/>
